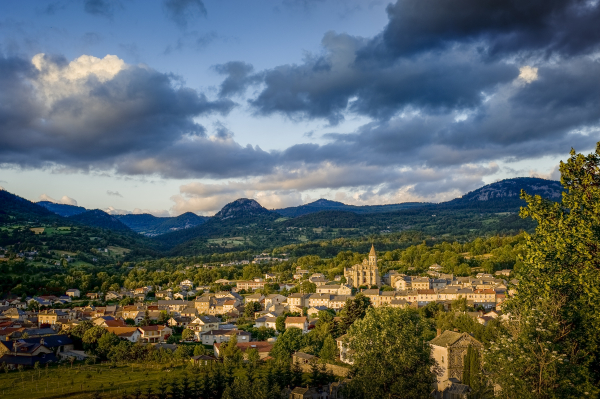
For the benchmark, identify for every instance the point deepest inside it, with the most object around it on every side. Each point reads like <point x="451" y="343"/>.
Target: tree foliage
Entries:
<point x="392" y="358"/>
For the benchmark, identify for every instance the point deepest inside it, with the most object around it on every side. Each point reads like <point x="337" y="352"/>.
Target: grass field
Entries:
<point x="118" y="250"/>
<point x="228" y="242"/>
<point x="82" y="381"/>
<point x="65" y="253"/>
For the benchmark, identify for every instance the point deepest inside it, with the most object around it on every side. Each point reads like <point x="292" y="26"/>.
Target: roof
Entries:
<point x="50" y="341"/>
<point x="208" y="319"/>
<point x="152" y="328"/>
<point x="372" y="253"/>
<point x="371" y="292"/>
<point x="426" y="292"/>
<point x="28" y="360"/>
<point x="122" y="331"/>
<point x="446" y="338"/>
<point x="290" y="319"/>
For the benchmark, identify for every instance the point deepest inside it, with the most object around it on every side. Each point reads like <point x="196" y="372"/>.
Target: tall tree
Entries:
<point x="392" y="359"/>
<point x="560" y="266"/>
<point x="353" y="310"/>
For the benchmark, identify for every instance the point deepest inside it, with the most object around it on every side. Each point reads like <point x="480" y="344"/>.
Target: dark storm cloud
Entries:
<point x="434" y="55"/>
<point x="239" y="77"/>
<point x="330" y="85"/>
<point x="520" y="121"/>
<point x="183" y="12"/>
<point x="566" y="27"/>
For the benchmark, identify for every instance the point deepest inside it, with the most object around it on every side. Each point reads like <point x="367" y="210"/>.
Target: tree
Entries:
<point x="308" y="288"/>
<point x="287" y="343"/>
<point x="230" y="351"/>
<point x="199" y="350"/>
<point x="187" y="334"/>
<point x="126" y="301"/>
<point x="105" y="343"/>
<point x="91" y="338"/>
<point x="560" y="265"/>
<point x="392" y="359"/>
<point x="329" y="349"/>
<point x="531" y="361"/>
<point x="353" y="310"/>
<point x="253" y="357"/>
<point x="250" y="309"/>
<point x="280" y="324"/>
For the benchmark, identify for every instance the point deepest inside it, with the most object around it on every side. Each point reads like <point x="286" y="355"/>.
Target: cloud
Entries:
<point x="239" y="77"/>
<point x="183" y="12"/>
<point x="101" y="8"/>
<point x="330" y="85"/>
<point x="137" y="211"/>
<point x="113" y="193"/>
<point x="2" y="188"/>
<point x="368" y="185"/>
<point x="528" y="74"/>
<point x="553" y="174"/>
<point x="64" y="200"/>
<point x="89" y="112"/>
<point x="565" y="27"/>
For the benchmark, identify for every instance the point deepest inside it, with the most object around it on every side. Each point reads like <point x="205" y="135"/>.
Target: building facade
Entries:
<point x="366" y="273"/>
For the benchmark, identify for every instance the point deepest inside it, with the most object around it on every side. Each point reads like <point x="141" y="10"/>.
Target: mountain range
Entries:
<point x="245" y="223"/>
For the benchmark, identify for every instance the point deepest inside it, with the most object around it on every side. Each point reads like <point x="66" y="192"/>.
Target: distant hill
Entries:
<point x="101" y="219"/>
<point x="492" y="209"/>
<point x="327" y="205"/>
<point x="510" y="189"/>
<point x="14" y="208"/>
<point x="242" y="208"/>
<point x="242" y="216"/>
<point x="62" y="209"/>
<point x="151" y="225"/>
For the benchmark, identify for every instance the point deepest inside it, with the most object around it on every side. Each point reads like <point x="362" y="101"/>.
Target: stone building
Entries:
<point x="366" y="273"/>
<point x="449" y="350"/>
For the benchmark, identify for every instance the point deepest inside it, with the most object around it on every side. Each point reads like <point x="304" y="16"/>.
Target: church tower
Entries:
<point x="365" y="273"/>
<point x="372" y="256"/>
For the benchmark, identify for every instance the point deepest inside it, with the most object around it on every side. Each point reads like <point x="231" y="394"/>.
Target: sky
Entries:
<point x="173" y="106"/>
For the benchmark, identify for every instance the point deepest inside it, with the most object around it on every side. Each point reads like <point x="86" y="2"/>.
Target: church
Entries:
<point x="366" y="273"/>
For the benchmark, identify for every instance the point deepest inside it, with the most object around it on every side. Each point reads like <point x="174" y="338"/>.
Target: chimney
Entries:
<point x="456" y="330"/>
<point x="439" y="332"/>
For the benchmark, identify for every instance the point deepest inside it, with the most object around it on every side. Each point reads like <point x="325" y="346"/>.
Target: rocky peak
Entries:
<point x="242" y="207"/>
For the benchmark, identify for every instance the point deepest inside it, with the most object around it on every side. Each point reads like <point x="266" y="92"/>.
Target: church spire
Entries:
<point x="372" y="253"/>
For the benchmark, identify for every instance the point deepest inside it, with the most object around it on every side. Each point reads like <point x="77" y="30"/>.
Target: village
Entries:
<point x="36" y="331"/>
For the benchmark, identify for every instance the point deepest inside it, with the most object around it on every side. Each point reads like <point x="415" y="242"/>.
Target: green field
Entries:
<point x="227" y="242"/>
<point x="118" y="250"/>
<point x="82" y="381"/>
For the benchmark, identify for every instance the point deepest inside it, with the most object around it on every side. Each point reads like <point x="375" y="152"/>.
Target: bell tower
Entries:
<point x="372" y="256"/>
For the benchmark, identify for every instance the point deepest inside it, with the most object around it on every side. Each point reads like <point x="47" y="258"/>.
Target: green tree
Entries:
<point x="306" y="287"/>
<point x="353" y="310"/>
<point x="280" y="324"/>
<point x="199" y="350"/>
<point x="329" y="349"/>
<point x="187" y="334"/>
<point x="560" y="265"/>
<point x="287" y="343"/>
<point x="251" y="308"/>
<point x="105" y="343"/>
<point x="91" y="338"/>
<point x="392" y="358"/>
